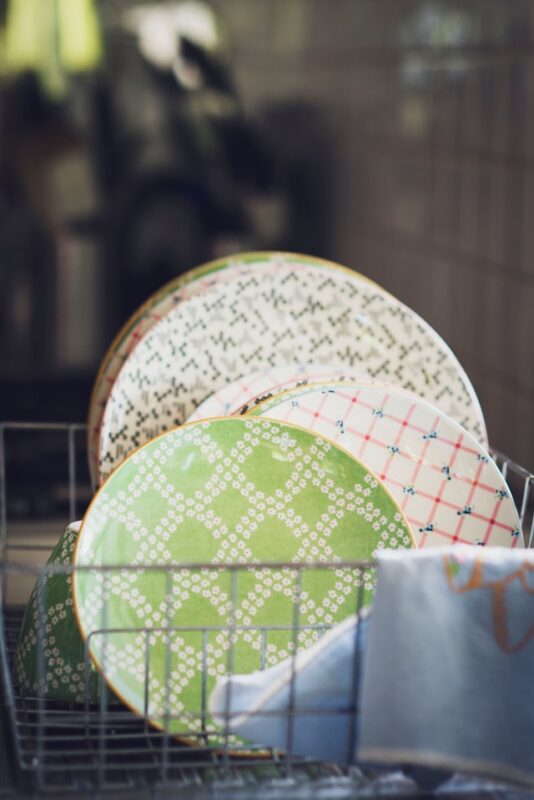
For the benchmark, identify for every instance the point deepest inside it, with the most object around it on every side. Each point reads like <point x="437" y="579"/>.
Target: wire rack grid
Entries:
<point x="57" y="747"/>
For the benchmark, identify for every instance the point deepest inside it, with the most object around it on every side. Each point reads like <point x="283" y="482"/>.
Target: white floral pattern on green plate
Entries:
<point x="49" y="609"/>
<point x="228" y="491"/>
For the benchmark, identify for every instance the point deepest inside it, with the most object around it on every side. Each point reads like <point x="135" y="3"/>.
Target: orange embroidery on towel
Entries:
<point x="500" y="621"/>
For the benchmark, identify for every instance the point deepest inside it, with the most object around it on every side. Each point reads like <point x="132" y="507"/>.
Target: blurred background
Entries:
<point x="139" y="139"/>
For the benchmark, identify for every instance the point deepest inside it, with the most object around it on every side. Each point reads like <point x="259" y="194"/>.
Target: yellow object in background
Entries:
<point x="80" y="42"/>
<point x="26" y="34"/>
<point x="52" y="38"/>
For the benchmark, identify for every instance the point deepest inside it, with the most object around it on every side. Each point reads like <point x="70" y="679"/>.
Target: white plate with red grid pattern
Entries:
<point x="448" y="487"/>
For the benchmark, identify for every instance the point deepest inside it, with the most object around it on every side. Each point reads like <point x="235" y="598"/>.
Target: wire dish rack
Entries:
<point x="54" y="748"/>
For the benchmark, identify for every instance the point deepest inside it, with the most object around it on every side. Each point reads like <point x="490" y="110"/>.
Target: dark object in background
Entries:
<point x="27" y="282"/>
<point x="50" y="334"/>
<point x="305" y="166"/>
<point x="183" y="189"/>
<point x="26" y="288"/>
<point x="141" y="171"/>
<point x="95" y="215"/>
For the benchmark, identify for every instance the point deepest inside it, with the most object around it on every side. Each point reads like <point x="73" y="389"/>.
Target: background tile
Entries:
<point x="429" y="108"/>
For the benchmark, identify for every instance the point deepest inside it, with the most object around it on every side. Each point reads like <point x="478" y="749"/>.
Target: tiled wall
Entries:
<point x="429" y="109"/>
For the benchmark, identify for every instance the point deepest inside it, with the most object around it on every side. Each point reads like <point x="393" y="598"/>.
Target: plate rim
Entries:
<point x="341" y="369"/>
<point x="463" y="378"/>
<point x="309" y="388"/>
<point x="177" y="284"/>
<point x="76" y="553"/>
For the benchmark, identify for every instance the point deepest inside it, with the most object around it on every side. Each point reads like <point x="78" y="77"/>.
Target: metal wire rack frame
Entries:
<point x="57" y="747"/>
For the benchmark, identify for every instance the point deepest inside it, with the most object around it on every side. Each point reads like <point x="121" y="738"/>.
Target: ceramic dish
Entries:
<point x="251" y="389"/>
<point x="62" y="650"/>
<point x="232" y="490"/>
<point x="194" y="281"/>
<point x="278" y="317"/>
<point x="446" y="484"/>
<point x="190" y="284"/>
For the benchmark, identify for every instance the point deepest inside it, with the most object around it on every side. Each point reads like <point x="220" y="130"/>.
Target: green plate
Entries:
<point x="222" y="491"/>
<point x="62" y="675"/>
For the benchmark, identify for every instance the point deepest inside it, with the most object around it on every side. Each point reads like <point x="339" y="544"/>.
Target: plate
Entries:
<point x="278" y="317"/>
<point x="224" y="491"/>
<point x="446" y="484"/>
<point x="249" y="390"/>
<point x="141" y="321"/>
<point x="189" y="284"/>
<point x="63" y="674"/>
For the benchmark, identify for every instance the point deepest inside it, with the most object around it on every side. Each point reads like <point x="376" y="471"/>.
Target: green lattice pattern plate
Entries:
<point x="229" y="491"/>
<point x="62" y="675"/>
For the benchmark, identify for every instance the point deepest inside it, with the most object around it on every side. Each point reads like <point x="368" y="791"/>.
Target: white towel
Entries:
<point x="448" y="673"/>
<point x="322" y="695"/>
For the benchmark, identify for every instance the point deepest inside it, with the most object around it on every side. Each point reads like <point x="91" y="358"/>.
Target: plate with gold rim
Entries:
<point x="449" y="488"/>
<point x="189" y="284"/>
<point x="277" y="316"/>
<point x="251" y="389"/>
<point x="227" y="491"/>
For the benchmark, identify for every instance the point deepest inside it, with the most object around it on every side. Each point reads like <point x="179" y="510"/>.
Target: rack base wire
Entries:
<point x="55" y="748"/>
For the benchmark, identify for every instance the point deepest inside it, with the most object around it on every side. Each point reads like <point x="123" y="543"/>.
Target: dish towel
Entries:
<point x="322" y="694"/>
<point x="448" y="673"/>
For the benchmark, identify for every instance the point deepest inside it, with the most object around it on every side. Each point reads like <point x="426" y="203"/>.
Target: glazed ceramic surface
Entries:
<point x="63" y="675"/>
<point x="238" y="396"/>
<point x="234" y="490"/>
<point x="190" y="284"/>
<point x="278" y="317"/>
<point x="446" y="484"/>
<point x="130" y="334"/>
